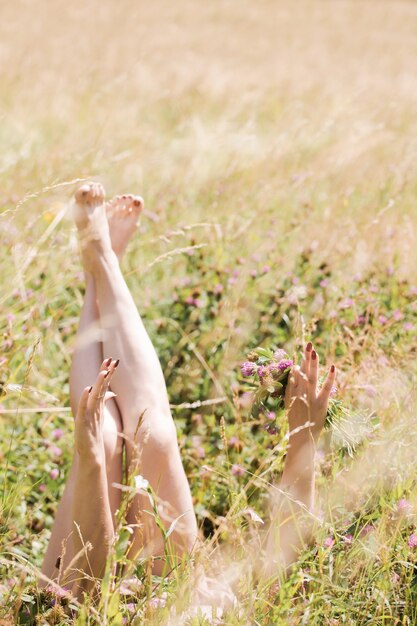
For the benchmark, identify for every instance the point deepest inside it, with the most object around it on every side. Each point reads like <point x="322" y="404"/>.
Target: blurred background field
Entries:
<point x="275" y="145"/>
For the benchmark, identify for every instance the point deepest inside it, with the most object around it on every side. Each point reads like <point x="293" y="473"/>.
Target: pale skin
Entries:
<point x="108" y="420"/>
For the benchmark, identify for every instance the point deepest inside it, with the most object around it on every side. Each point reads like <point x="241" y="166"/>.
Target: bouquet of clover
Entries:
<point x="268" y="371"/>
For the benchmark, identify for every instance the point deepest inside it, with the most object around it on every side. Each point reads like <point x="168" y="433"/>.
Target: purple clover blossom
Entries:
<point x="262" y="371"/>
<point x="412" y="541"/>
<point x="382" y="319"/>
<point x="333" y="391"/>
<point x="328" y="542"/>
<point x="348" y="539"/>
<point x="57" y="433"/>
<point x="285" y="364"/>
<point x="280" y="354"/>
<point x="237" y="470"/>
<point x="404" y="506"/>
<point x="247" y="368"/>
<point x="54" y="473"/>
<point x="398" y="315"/>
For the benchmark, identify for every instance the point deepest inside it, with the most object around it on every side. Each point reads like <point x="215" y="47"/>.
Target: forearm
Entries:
<point x="291" y="520"/>
<point x="93" y="530"/>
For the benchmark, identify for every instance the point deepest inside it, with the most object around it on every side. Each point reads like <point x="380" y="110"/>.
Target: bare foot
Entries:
<point x="90" y="217"/>
<point x="122" y="215"/>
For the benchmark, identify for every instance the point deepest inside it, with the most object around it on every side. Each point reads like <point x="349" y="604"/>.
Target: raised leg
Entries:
<point x="141" y="391"/>
<point x="86" y="361"/>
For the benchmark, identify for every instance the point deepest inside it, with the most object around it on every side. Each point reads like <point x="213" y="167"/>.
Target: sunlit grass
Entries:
<point x="274" y="144"/>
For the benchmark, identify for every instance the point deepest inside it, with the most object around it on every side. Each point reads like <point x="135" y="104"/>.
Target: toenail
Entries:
<point x="136" y="202"/>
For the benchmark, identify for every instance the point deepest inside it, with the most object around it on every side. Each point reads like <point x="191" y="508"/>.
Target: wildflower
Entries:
<point x="324" y="283"/>
<point x="408" y="326"/>
<point x="141" y="482"/>
<point x="333" y="391"/>
<point x="57" y="433"/>
<point x="280" y="354"/>
<point x="348" y="539"/>
<point x="237" y="470"/>
<point x="234" y="442"/>
<point x="285" y="364"/>
<point x="252" y="356"/>
<point x="347" y="303"/>
<point x="218" y="288"/>
<point x="382" y="319"/>
<point x="42" y="488"/>
<point x="404" y="506"/>
<point x="271" y="415"/>
<point x="55" y="451"/>
<point x="328" y="542"/>
<point x="253" y="273"/>
<point x="265" y="269"/>
<point x="395" y="578"/>
<point x="412" y="541"/>
<point x="366" y="530"/>
<point x="54" y="473"/>
<point x="262" y="371"/>
<point x="248" y="368"/>
<point x="156" y="603"/>
<point x="398" y="315"/>
<point x="361" y="320"/>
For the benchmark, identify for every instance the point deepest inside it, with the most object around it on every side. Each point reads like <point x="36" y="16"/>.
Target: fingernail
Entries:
<point x="314" y="355"/>
<point x="106" y="374"/>
<point x="116" y="363"/>
<point x="107" y="363"/>
<point x="332" y="369"/>
<point x="90" y="389"/>
<point x="309" y="346"/>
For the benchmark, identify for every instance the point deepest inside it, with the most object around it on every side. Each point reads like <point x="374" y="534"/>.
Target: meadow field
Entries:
<point x="275" y="145"/>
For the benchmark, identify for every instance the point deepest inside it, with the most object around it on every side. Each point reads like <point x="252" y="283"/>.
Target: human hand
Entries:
<point x="90" y="413"/>
<point x="305" y="402"/>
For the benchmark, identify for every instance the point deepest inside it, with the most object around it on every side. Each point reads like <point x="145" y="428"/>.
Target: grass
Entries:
<point x="275" y="138"/>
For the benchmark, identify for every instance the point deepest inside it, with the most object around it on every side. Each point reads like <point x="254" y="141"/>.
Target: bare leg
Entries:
<point x="140" y="388"/>
<point x="86" y="361"/>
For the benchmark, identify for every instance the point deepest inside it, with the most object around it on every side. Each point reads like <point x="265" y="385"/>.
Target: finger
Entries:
<point x="95" y="397"/>
<point x="82" y="405"/>
<point x="326" y="390"/>
<point x="305" y="364"/>
<point x="313" y="373"/>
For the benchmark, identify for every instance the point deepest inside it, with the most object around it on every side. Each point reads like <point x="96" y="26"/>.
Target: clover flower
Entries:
<point x="404" y="506"/>
<point x="247" y="368"/>
<point x="280" y="354"/>
<point x="412" y="541"/>
<point x="285" y="364"/>
<point x="237" y="470"/>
